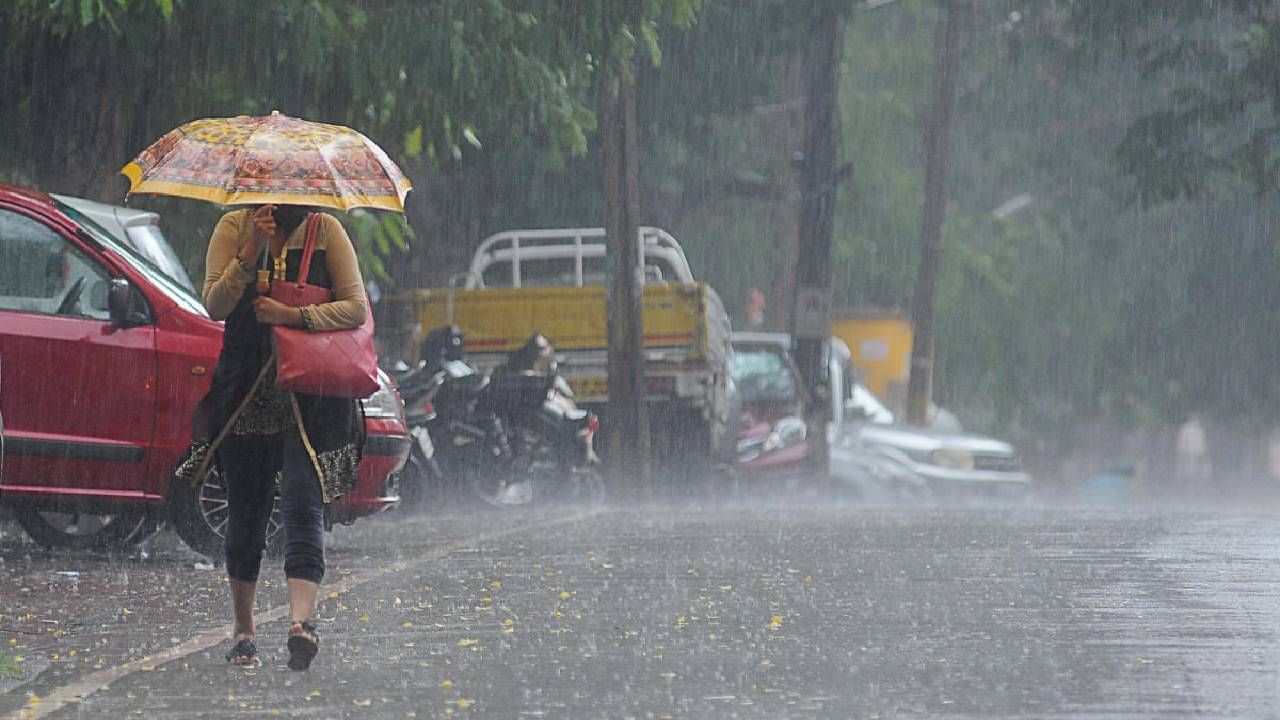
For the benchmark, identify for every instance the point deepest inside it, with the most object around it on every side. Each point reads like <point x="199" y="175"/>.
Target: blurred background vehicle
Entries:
<point x="514" y="437"/>
<point x="950" y="465"/>
<point x="773" y="439"/>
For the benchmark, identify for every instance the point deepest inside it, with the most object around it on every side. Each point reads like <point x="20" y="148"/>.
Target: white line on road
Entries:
<point x="78" y="690"/>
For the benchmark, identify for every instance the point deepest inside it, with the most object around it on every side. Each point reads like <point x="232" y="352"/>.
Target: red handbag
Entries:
<point x="334" y="363"/>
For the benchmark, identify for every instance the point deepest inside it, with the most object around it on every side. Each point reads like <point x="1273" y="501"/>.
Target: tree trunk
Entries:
<point x="937" y="159"/>
<point x="627" y="427"/>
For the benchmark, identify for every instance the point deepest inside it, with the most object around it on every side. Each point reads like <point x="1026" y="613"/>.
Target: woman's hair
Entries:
<point x="289" y="217"/>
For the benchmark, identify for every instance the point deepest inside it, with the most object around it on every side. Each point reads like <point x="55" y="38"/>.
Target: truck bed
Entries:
<point x="685" y="329"/>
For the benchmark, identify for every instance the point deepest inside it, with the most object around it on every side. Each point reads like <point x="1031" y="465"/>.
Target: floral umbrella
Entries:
<point x="274" y="159"/>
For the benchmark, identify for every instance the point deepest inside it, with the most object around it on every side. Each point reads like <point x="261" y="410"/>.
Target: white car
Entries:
<point x="947" y="464"/>
<point x="140" y="230"/>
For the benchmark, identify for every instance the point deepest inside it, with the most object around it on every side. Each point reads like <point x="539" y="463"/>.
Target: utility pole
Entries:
<point x="937" y="159"/>
<point x="785" y="128"/>
<point x="627" y="429"/>
<point x="811" y="311"/>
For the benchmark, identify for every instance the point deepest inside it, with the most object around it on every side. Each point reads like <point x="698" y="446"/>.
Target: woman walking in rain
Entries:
<point x="262" y="437"/>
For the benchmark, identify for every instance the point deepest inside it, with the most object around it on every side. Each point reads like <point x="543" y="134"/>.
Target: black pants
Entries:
<point x="248" y="462"/>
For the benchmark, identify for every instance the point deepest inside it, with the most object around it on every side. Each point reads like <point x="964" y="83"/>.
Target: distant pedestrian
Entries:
<point x="267" y="440"/>
<point x="755" y="309"/>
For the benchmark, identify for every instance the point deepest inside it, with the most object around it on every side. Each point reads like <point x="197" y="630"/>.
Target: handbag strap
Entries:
<point x="313" y="228"/>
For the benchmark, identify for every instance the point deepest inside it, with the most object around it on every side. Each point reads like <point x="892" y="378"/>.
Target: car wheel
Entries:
<point x="199" y="516"/>
<point x="85" y="531"/>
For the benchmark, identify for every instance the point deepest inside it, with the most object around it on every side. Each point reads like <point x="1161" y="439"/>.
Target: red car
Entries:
<point x="104" y="358"/>
<point x="773" y="439"/>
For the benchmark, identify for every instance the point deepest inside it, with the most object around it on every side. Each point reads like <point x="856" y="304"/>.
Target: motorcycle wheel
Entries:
<point x="584" y="487"/>
<point x="491" y="491"/>
<point x="84" y="531"/>
<point x="199" y="516"/>
<point x="418" y="482"/>
<point x="536" y="476"/>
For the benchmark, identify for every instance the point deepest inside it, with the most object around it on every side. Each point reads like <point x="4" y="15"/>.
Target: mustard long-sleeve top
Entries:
<point x="225" y="279"/>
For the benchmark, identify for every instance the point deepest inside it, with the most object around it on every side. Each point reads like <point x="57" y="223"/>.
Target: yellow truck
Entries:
<point x="553" y="282"/>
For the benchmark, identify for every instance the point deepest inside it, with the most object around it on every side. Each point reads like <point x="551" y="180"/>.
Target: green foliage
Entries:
<point x="1218" y="112"/>
<point x="61" y="17"/>
<point x="1081" y="304"/>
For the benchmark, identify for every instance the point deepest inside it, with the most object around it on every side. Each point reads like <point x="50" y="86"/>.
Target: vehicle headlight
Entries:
<point x="952" y="458"/>
<point x="385" y="403"/>
<point x="787" y="432"/>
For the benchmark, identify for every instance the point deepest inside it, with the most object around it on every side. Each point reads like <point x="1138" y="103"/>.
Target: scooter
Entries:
<point x="509" y="439"/>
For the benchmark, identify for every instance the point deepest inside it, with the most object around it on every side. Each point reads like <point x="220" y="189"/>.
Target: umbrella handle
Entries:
<point x="264" y="270"/>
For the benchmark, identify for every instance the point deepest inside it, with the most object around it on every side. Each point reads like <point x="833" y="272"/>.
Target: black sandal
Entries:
<point x="244" y="653"/>
<point x="304" y="643"/>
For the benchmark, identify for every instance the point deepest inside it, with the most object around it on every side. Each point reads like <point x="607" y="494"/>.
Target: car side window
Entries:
<point x="40" y="272"/>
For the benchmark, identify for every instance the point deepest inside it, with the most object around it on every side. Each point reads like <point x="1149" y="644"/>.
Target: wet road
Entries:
<point x="800" y="613"/>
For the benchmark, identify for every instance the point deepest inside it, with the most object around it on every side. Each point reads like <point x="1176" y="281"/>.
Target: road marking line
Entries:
<point x="74" y="692"/>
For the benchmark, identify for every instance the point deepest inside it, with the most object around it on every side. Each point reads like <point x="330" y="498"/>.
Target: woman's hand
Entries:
<point x="265" y="225"/>
<point x="265" y="222"/>
<point x="274" y="312"/>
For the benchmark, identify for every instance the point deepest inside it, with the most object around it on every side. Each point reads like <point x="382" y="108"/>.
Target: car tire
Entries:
<point x="199" y="513"/>
<point x="85" y="531"/>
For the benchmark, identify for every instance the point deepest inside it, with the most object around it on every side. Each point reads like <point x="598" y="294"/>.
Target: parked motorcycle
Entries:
<point x="509" y="439"/>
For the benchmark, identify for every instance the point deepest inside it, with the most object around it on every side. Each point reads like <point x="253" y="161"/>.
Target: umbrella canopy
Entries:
<point x="274" y="159"/>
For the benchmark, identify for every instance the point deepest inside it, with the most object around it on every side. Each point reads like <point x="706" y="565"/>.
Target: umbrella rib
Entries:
<point x="240" y="151"/>
<point x="337" y="195"/>
<point x="381" y="154"/>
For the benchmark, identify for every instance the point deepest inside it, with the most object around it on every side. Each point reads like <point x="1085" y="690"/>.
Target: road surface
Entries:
<point x="783" y="612"/>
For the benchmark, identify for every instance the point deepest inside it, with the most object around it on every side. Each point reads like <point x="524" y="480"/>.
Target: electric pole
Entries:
<point x="627" y="429"/>
<point x="937" y="158"/>
<point x="811" y="311"/>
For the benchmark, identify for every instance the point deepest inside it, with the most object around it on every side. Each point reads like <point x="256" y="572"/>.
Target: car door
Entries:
<point x="78" y="390"/>
<point x="1" y="425"/>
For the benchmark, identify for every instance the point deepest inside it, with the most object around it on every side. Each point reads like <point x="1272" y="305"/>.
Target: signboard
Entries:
<point x="813" y="313"/>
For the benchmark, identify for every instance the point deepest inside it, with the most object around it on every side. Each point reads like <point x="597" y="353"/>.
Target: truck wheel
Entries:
<point x="199" y="516"/>
<point x="84" y="531"/>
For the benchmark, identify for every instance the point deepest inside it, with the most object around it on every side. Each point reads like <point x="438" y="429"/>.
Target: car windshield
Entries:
<point x="170" y="287"/>
<point x="763" y="376"/>
<point x="150" y="242"/>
